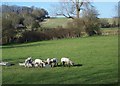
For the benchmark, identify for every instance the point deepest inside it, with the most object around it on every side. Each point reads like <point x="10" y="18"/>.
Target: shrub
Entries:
<point x="30" y="36"/>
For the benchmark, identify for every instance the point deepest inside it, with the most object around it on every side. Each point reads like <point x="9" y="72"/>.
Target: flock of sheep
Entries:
<point x="48" y="62"/>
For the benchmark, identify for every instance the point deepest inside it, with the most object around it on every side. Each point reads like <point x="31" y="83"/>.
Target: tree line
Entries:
<point x="105" y="23"/>
<point x="18" y="19"/>
<point x="23" y="24"/>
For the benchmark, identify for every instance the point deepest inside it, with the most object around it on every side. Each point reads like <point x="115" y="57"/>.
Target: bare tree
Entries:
<point x="91" y="21"/>
<point x="72" y="8"/>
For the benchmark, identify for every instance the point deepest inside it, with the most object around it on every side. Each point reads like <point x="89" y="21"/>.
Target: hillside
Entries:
<point x="55" y="22"/>
<point x="110" y="20"/>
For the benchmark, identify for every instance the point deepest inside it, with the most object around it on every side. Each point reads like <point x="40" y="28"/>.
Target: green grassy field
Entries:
<point x="98" y="56"/>
<point x="55" y="22"/>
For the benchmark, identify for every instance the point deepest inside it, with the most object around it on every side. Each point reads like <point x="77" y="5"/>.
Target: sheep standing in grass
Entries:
<point x="66" y="62"/>
<point x="54" y="62"/>
<point x="29" y="65"/>
<point x="28" y="62"/>
<point x="48" y="61"/>
<point x="39" y="63"/>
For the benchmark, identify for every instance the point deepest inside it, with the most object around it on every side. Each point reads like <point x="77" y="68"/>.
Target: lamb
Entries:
<point x="29" y="65"/>
<point x="53" y="62"/>
<point x="39" y="63"/>
<point x="28" y="62"/>
<point x="66" y="61"/>
<point x="48" y="61"/>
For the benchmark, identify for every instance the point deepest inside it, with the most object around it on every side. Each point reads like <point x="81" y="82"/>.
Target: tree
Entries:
<point x="72" y="8"/>
<point x="28" y="21"/>
<point x="35" y="25"/>
<point x="115" y="21"/>
<point x="8" y="31"/>
<point x="16" y="20"/>
<point x="77" y="26"/>
<point x="39" y="14"/>
<point x="91" y="21"/>
<point x="104" y="23"/>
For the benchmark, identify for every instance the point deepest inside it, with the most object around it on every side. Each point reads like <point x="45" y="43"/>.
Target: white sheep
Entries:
<point x="48" y="61"/>
<point x="28" y="62"/>
<point x="54" y="62"/>
<point x="28" y="65"/>
<point x="66" y="61"/>
<point x="39" y="63"/>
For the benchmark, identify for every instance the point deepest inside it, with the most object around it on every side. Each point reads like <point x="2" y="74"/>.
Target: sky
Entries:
<point x="105" y="9"/>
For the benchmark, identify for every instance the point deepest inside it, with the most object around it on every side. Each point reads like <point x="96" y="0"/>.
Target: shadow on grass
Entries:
<point x="24" y="45"/>
<point x="75" y="65"/>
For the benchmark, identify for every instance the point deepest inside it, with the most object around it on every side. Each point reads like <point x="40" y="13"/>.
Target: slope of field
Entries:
<point x="98" y="57"/>
<point x="111" y="20"/>
<point x="55" y="22"/>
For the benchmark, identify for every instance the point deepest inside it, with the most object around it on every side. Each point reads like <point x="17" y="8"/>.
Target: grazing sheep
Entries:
<point x="54" y="62"/>
<point x="28" y="62"/>
<point x="66" y="62"/>
<point x="39" y="63"/>
<point x="28" y="65"/>
<point x="48" y="61"/>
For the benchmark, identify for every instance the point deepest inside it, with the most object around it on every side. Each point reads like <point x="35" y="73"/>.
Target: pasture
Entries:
<point x="55" y="22"/>
<point x="97" y="55"/>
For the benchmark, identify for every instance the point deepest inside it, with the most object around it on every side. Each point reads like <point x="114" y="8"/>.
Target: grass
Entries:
<point x="116" y="28"/>
<point x="98" y="56"/>
<point x="111" y="20"/>
<point x="55" y="22"/>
